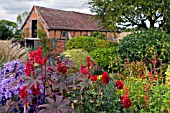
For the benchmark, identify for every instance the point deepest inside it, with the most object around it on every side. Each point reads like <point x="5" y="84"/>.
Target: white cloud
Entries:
<point x="9" y="9"/>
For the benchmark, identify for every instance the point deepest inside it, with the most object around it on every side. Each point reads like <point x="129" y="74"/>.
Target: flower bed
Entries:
<point x="50" y="84"/>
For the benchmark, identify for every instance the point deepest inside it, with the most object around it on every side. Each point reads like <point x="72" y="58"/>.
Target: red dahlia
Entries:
<point x="84" y="70"/>
<point x="126" y="101"/>
<point x="119" y="84"/>
<point x="105" y="78"/>
<point x="93" y="78"/>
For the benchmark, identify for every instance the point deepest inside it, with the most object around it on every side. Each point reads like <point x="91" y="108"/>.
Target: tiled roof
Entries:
<point x="68" y="20"/>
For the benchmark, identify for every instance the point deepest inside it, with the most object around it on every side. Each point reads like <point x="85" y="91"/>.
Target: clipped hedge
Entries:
<point x="104" y="56"/>
<point x="78" y="56"/>
<point x="144" y="44"/>
<point x="87" y="43"/>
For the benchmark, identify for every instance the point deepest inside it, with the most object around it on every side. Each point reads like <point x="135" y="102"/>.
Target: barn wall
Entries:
<point x="27" y="27"/>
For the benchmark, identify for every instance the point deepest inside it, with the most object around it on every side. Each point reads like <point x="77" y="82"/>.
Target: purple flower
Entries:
<point x="8" y="74"/>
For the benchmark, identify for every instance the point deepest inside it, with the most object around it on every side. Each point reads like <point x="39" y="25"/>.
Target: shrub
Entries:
<point x="78" y="56"/>
<point x="48" y="86"/>
<point x="99" y="35"/>
<point x="104" y="56"/>
<point x="87" y="43"/>
<point x="147" y="97"/>
<point x="144" y="44"/>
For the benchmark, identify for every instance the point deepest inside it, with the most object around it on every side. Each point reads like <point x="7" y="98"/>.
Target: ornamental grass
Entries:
<point x="11" y="51"/>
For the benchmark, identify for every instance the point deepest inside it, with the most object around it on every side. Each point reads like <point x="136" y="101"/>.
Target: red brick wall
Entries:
<point x="27" y="27"/>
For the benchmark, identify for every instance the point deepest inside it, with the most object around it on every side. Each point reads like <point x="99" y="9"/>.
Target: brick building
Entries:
<point x="59" y="26"/>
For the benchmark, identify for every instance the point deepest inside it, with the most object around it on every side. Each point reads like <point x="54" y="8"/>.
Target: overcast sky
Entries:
<point x="9" y="9"/>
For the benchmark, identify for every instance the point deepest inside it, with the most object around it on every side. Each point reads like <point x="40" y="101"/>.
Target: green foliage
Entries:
<point x="18" y="35"/>
<point x="87" y="43"/>
<point x="7" y="29"/>
<point x="21" y="18"/>
<point x="104" y="56"/>
<point x="107" y="102"/>
<point x="99" y="35"/>
<point x="44" y="41"/>
<point x="143" y="45"/>
<point x="78" y="56"/>
<point x="148" y="98"/>
<point x="130" y="13"/>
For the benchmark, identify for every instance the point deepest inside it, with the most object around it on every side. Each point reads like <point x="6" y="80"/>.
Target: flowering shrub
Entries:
<point x="46" y="85"/>
<point x="98" y="92"/>
<point x="9" y="73"/>
<point x="147" y="97"/>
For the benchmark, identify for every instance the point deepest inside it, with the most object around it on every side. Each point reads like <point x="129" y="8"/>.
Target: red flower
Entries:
<point x="23" y="92"/>
<point x="61" y="68"/>
<point x="154" y="61"/>
<point x="119" y="84"/>
<point x="126" y="101"/>
<point x="146" y="98"/>
<point x="89" y="63"/>
<point x="35" y="91"/>
<point x="93" y="78"/>
<point x="124" y="96"/>
<point x="150" y="73"/>
<point x="84" y="70"/>
<point x="88" y="58"/>
<point x="126" y="91"/>
<point x="105" y="78"/>
<point x="29" y="67"/>
<point x="37" y="56"/>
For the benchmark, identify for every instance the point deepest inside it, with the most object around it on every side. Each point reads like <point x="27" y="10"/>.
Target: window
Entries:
<point x="34" y="29"/>
<point x="64" y="33"/>
<point x="54" y="42"/>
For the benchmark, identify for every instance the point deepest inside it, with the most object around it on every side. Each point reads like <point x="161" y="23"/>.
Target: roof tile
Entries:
<point x="68" y="20"/>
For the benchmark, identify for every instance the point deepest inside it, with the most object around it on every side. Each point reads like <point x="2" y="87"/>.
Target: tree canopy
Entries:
<point x="21" y="18"/>
<point x="7" y="29"/>
<point x="132" y="13"/>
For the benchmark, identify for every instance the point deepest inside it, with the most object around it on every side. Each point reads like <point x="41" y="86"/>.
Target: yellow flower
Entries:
<point x="99" y="77"/>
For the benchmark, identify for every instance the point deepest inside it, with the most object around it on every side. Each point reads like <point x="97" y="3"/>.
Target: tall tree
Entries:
<point x="7" y="29"/>
<point x="127" y="13"/>
<point x="21" y="18"/>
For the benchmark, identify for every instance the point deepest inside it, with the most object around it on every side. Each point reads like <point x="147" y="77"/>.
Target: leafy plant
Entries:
<point x="99" y="35"/>
<point x="78" y="56"/>
<point x="57" y="106"/>
<point x="147" y="97"/>
<point x="87" y="43"/>
<point x="143" y="45"/>
<point x="43" y="78"/>
<point x="44" y="41"/>
<point x="104" y="56"/>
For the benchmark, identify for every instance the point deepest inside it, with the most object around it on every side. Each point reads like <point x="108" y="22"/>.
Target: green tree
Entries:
<point x="131" y="12"/>
<point x="21" y="18"/>
<point x="7" y="29"/>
